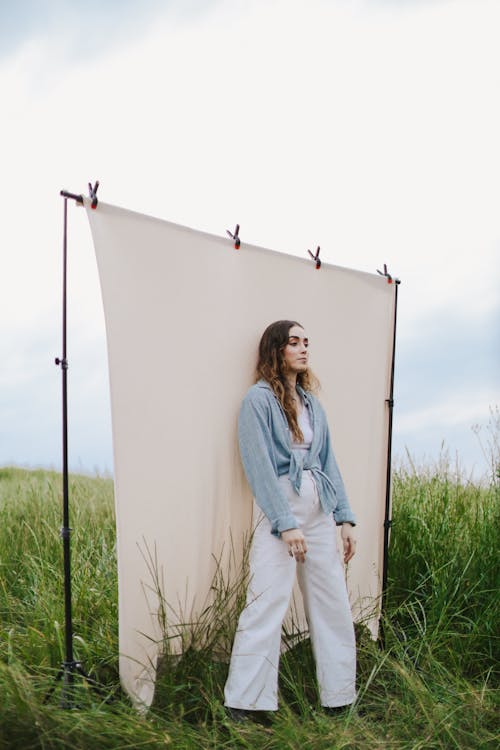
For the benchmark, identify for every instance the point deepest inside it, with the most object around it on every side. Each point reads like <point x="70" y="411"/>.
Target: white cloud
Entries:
<point x="460" y="407"/>
<point x="365" y="128"/>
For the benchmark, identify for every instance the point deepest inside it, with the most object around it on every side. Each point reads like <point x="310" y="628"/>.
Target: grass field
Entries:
<point x="433" y="685"/>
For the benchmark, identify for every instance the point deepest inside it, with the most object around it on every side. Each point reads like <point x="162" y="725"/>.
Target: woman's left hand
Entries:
<point x="348" y="541"/>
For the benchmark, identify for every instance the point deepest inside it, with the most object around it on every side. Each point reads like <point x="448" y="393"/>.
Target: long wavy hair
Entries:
<point x="271" y="366"/>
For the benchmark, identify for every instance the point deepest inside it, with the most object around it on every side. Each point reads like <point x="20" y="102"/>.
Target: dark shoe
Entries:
<point x="238" y="715"/>
<point x="336" y="710"/>
<point x="264" y="718"/>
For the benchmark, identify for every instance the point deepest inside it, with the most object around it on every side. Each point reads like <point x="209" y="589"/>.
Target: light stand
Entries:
<point x="70" y="667"/>
<point x="387" y="517"/>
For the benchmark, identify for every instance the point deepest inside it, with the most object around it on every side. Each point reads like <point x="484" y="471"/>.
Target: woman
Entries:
<point x="290" y="466"/>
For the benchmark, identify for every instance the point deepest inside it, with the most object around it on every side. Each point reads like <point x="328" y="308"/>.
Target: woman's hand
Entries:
<point x="296" y="542"/>
<point x="348" y="541"/>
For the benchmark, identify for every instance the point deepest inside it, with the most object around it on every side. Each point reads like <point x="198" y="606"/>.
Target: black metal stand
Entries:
<point x="387" y="517"/>
<point x="70" y="667"/>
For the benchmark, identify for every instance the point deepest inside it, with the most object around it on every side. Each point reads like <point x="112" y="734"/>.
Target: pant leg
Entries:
<point x="327" y="607"/>
<point x="252" y="682"/>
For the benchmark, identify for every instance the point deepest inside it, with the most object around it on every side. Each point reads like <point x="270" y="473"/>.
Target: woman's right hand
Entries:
<point x="296" y="542"/>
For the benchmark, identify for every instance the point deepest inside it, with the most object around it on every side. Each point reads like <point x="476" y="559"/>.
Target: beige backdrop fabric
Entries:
<point x="184" y="313"/>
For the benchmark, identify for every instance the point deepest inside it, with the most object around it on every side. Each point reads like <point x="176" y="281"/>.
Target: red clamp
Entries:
<point x="235" y="236"/>
<point x="387" y="275"/>
<point x="315" y="257"/>
<point x="93" y="194"/>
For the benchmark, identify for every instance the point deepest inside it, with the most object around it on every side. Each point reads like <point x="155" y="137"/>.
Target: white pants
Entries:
<point x="252" y="682"/>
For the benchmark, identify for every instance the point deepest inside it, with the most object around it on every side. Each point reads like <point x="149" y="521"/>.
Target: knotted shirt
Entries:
<point x="267" y="453"/>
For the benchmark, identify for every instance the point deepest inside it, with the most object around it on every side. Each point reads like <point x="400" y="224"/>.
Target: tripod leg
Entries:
<point x="52" y="689"/>
<point x="68" y="688"/>
<point x="96" y="687"/>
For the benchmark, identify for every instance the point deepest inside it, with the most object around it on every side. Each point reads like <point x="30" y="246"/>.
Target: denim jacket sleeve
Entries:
<point x="343" y="512"/>
<point x="257" y="454"/>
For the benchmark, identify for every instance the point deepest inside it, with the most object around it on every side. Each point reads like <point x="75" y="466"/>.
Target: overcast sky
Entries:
<point x="367" y="127"/>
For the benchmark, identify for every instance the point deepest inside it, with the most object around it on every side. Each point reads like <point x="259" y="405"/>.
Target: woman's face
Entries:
<point x="295" y="353"/>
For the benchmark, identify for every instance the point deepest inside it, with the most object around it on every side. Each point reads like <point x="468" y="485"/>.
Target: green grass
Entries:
<point x="433" y="685"/>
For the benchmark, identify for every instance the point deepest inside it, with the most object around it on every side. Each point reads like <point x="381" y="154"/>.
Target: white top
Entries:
<point x="304" y="420"/>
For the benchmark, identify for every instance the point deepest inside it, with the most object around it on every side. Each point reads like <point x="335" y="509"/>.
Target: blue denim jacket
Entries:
<point x="267" y="453"/>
